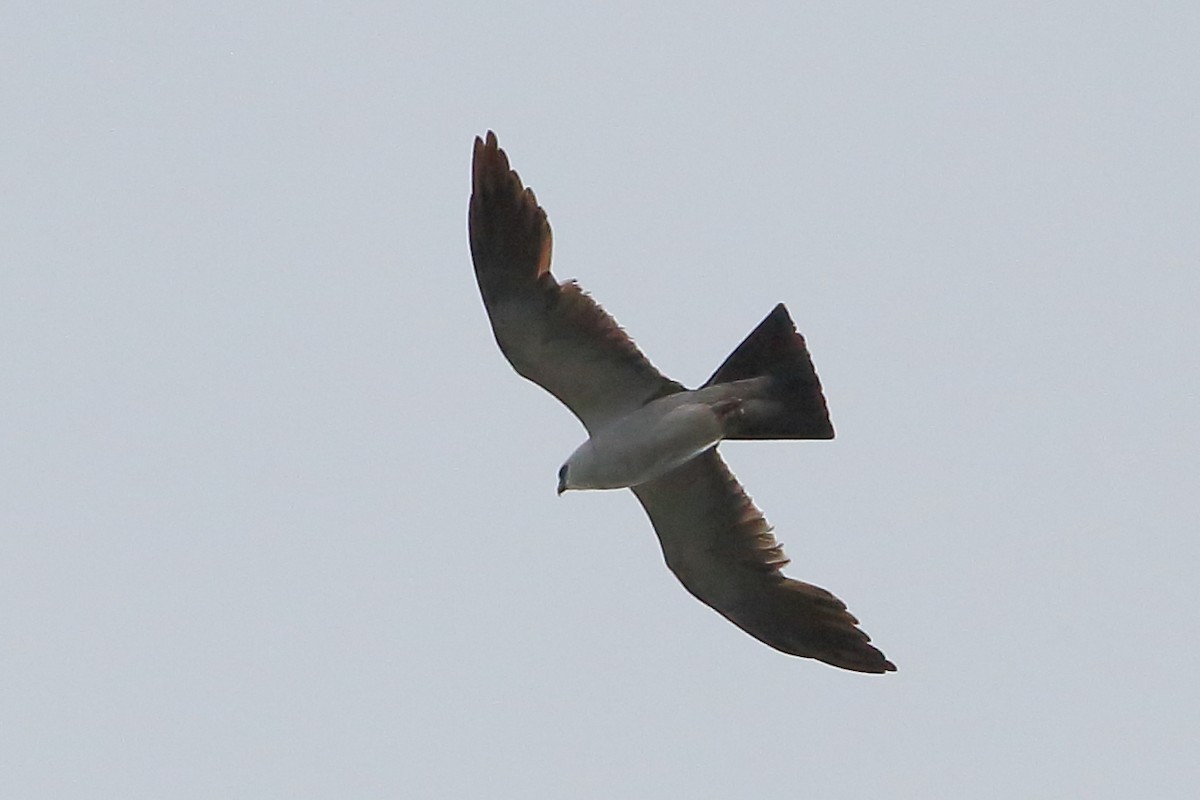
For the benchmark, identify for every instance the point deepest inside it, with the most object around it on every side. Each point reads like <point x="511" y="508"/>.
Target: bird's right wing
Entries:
<point x="552" y="333"/>
<point x="719" y="546"/>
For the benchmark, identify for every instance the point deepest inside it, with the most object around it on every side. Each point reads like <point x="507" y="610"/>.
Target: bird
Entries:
<point x="649" y="433"/>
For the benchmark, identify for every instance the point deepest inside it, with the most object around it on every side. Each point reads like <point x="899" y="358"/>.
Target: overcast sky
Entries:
<point x="277" y="520"/>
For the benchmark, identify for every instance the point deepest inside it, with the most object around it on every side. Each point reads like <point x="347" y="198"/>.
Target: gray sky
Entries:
<point x="277" y="520"/>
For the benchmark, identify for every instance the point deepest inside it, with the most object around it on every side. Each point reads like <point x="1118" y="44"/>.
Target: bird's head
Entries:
<point x="562" y="478"/>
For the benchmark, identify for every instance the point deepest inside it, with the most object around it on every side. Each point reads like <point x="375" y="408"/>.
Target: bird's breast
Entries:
<point x="643" y="445"/>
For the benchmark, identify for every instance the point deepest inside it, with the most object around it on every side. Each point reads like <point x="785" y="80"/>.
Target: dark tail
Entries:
<point x="792" y="405"/>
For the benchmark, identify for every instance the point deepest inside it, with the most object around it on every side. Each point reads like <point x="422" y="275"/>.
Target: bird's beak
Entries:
<point x="562" y="487"/>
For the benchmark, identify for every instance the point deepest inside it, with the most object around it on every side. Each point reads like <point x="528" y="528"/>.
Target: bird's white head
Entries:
<point x="579" y="470"/>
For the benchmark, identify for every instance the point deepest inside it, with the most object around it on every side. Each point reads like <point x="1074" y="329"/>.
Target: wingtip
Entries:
<point x="864" y="658"/>
<point x="489" y="164"/>
<point x="808" y="621"/>
<point x="509" y="233"/>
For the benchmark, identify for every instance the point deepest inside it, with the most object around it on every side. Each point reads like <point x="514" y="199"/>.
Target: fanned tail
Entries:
<point x="791" y="406"/>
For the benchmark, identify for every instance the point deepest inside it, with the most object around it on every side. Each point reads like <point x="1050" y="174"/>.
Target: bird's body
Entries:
<point x="651" y="434"/>
<point x="650" y="441"/>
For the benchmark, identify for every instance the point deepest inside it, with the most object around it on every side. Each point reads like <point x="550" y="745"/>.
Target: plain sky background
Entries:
<point x="278" y="521"/>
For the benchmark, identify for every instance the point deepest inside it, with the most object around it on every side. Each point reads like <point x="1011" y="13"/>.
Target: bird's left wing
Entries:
<point x="719" y="546"/>
<point x="552" y="333"/>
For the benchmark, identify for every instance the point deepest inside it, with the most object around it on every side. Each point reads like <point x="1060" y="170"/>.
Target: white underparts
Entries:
<point x="651" y="441"/>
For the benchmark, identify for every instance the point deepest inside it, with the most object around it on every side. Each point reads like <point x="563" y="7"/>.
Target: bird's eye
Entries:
<point x="562" y="473"/>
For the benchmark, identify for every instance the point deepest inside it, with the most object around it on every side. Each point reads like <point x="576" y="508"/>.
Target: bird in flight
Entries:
<point x="650" y="434"/>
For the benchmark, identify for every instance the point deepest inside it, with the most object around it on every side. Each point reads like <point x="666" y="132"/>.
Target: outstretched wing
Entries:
<point x="552" y="333"/>
<point x="718" y="544"/>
